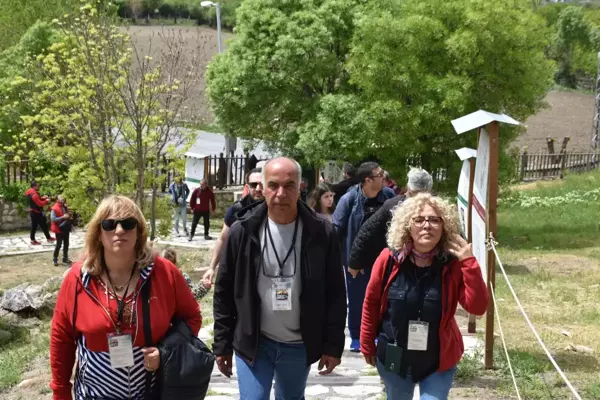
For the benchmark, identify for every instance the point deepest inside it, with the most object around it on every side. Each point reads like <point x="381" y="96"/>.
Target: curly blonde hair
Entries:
<point x="399" y="230"/>
<point x="117" y="207"/>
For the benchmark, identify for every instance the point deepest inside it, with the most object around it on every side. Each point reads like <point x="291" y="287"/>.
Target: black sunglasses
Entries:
<point x="254" y="185"/>
<point x="111" y="224"/>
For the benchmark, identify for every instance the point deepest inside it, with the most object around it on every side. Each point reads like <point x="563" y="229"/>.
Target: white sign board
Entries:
<point x="462" y="198"/>
<point x="480" y="195"/>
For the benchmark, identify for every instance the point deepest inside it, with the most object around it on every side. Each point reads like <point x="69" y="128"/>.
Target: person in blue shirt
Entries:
<point x="355" y="207"/>
<point x="179" y="192"/>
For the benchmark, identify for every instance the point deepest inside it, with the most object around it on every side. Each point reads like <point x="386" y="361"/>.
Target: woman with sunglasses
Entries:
<point x="98" y="312"/>
<point x="408" y="328"/>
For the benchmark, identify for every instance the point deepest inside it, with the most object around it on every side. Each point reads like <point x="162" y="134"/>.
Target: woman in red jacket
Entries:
<point x="98" y="312"/>
<point x="412" y="297"/>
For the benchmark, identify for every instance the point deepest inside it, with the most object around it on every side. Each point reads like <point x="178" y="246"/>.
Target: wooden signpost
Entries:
<point x="484" y="202"/>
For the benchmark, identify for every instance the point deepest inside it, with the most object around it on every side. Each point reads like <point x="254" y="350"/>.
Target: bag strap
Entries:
<point x="145" y="292"/>
<point x="388" y="273"/>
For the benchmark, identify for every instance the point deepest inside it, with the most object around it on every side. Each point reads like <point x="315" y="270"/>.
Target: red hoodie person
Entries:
<point x="36" y="203"/>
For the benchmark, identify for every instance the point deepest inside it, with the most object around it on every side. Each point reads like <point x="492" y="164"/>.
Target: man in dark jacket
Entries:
<point x="350" y="179"/>
<point x="201" y="202"/>
<point x="179" y="192"/>
<point x="280" y="299"/>
<point x="372" y="236"/>
<point x="236" y="211"/>
<point x="354" y="208"/>
<point x="36" y="213"/>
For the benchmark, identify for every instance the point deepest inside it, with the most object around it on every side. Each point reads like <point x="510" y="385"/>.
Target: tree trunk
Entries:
<point x="156" y="177"/>
<point x="141" y="168"/>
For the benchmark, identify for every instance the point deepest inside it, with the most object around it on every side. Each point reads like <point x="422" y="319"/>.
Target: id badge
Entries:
<point x="197" y="200"/>
<point x="120" y="348"/>
<point x="418" y="331"/>
<point x="282" y="294"/>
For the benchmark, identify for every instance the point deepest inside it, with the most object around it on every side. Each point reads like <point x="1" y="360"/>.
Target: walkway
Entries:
<point x="353" y="379"/>
<point x="13" y="245"/>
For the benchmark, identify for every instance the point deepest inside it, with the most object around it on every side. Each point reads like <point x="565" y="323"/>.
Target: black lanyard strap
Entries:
<point x="120" y="302"/>
<point x="291" y="250"/>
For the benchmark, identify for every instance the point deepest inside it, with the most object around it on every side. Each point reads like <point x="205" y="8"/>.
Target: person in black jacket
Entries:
<point x="371" y="237"/>
<point x="350" y="179"/>
<point x="235" y="212"/>
<point x="280" y="296"/>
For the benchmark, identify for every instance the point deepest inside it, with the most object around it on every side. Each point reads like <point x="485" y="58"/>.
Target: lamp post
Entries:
<point x="230" y="142"/>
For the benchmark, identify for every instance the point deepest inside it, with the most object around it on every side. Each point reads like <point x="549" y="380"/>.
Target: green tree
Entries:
<point x="336" y="79"/>
<point x="572" y="34"/>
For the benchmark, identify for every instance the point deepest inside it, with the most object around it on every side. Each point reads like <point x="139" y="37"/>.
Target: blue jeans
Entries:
<point x="285" y="361"/>
<point x="356" y="289"/>
<point x="435" y="387"/>
<point x="180" y="213"/>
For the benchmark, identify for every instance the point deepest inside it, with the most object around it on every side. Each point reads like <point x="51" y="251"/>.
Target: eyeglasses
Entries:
<point x="111" y="224"/>
<point x="254" y="185"/>
<point x="434" y="222"/>
<point x="379" y="175"/>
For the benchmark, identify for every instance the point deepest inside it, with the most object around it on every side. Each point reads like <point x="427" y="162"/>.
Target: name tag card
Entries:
<point x="281" y="294"/>
<point x="418" y="332"/>
<point x="120" y="348"/>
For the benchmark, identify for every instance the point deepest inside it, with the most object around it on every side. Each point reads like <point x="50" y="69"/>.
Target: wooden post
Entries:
<point x="492" y="224"/>
<point x="524" y="163"/>
<point x="472" y="326"/>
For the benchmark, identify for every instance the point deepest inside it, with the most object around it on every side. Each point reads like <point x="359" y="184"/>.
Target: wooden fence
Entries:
<point x="216" y="168"/>
<point x="545" y="165"/>
<point x="16" y="172"/>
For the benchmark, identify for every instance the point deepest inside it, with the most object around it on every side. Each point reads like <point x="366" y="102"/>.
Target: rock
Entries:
<point x="17" y="299"/>
<point x="35" y="291"/>
<point x="566" y="333"/>
<point x="53" y="284"/>
<point x="582" y="349"/>
<point x="13" y="319"/>
<point x="5" y="337"/>
<point x="3" y="312"/>
<point x="28" y="383"/>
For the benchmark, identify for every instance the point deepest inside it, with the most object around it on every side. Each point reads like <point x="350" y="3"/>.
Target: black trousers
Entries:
<point x="38" y="219"/>
<point x="62" y="238"/>
<point x="206" y="220"/>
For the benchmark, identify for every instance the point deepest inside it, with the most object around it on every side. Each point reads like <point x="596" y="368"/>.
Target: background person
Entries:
<point x="371" y="237"/>
<point x="98" y="315"/>
<point x="60" y="224"/>
<point x="201" y="202"/>
<point x="179" y="193"/>
<point x="350" y="179"/>
<point x="199" y="291"/>
<point x="254" y="190"/>
<point x="36" y="212"/>
<point x="321" y="200"/>
<point x="410" y="307"/>
<point x="280" y="298"/>
<point x="354" y="208"/>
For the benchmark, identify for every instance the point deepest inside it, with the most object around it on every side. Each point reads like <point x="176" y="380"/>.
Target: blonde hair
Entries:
<point x="170" y="254"/>
<point x="398" y="234"/>
<point x="117" y="207"/>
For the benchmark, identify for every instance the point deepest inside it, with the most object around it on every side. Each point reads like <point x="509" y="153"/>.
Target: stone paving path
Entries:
<point x="353" y="379"/>
<point x="12" y="245"/>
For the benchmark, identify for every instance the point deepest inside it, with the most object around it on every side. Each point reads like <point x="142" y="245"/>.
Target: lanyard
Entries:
<point x="121" y="301"/>
<point x="291" y="250"/>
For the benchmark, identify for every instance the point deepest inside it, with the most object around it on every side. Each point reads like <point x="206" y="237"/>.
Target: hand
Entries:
<point x="355" y="272"/>
<point x="329" y="363"/>
<point x="460" y="248"/>
<point x="66" y="216"/>
<point x="151" y="358"/>
<point x="224" y="363"/>
<point x="208" y="277"/>
<point x="371" y="360"/>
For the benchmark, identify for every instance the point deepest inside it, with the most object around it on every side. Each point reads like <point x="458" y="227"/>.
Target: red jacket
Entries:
<point x="461" y="282"/>
<point x="202" y="200"/>
<point x="35" y="201"/>
<point x="58" y="210"/>
<point x="169" y="296"/>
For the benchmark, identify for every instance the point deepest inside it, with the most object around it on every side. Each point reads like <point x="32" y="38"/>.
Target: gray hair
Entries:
<point x="264" y="169"/>
<point x="419" y="180"/>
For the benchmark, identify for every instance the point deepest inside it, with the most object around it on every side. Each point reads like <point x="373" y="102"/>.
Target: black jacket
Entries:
<point x="322" y="301"/>
<point x="239" y="209"/>
<point x="371" y="237"/>
<point x="340" y="188"/>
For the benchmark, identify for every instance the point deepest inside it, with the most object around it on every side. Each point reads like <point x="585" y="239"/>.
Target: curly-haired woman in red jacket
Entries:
<point x="412" y="296"/>
<point x="98" y="314"/>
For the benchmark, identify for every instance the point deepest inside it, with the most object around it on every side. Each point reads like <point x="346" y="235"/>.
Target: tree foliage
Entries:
<point x="343" y="79"/>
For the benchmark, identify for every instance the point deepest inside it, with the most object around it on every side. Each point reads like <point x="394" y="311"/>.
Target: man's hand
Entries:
<point x="329" y="363"/>
<point x="224" y="363"/>
<point x="66" y="216"/>
<point x="355" y="272"/>
<point x="371" y="360"/>
<point x="207" y="279"/>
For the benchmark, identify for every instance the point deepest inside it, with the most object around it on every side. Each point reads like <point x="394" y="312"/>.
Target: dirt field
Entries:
<point x="569" y="114"/>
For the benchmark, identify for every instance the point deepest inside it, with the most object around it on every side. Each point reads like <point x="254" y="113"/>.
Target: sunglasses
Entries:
<point x="254" y="185"/>
<point x="111" y="224"/>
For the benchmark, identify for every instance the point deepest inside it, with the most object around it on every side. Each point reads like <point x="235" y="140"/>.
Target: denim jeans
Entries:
<point x="435" y="387"/>
<point x="285" y="361"/>
<point x="180" y="213"/>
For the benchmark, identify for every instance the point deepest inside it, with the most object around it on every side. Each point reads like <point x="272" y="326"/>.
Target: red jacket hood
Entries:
<point x="30" y="191"/>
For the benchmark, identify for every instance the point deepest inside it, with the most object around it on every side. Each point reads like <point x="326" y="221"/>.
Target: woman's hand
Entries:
<point x="371" y="360"/>
<point x="151" y="358"/>
<point x="460" y="248"/>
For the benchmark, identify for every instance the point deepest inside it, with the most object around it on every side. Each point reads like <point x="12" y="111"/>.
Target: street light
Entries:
<point x="218" y="7"/>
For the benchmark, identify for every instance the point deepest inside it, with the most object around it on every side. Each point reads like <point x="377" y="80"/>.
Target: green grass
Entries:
<point x="16" y="355"/>
<point x="566" y="226"/>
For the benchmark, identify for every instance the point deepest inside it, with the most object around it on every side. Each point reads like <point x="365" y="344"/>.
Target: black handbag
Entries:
<point x="186" y="363"/>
